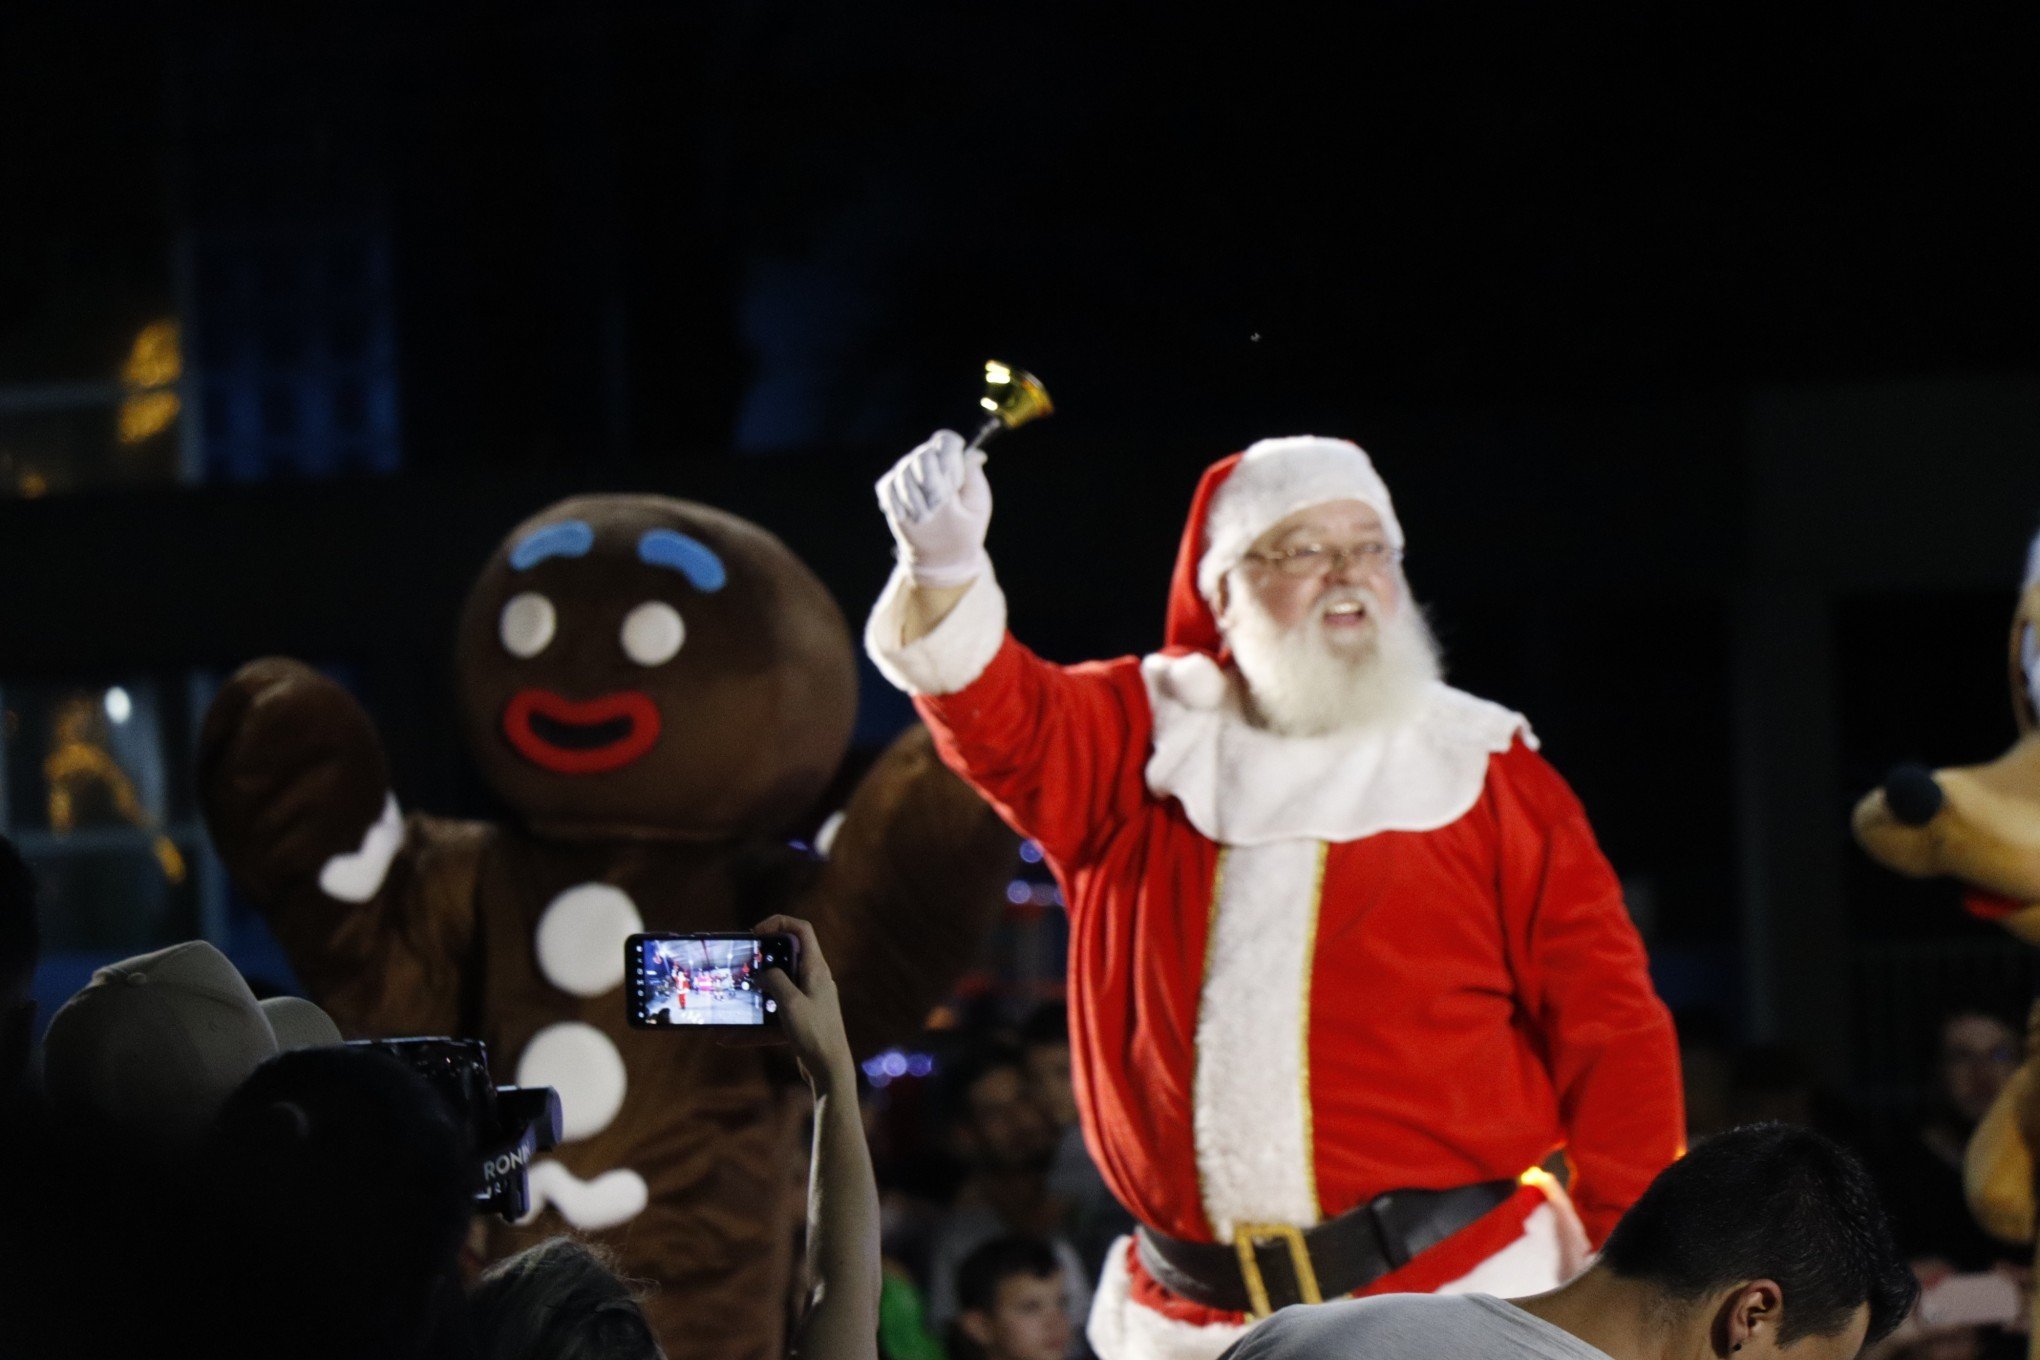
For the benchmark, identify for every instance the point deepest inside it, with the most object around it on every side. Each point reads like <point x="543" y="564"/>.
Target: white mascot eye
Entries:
<point x="652" y="633"/>
<point x="527" y="624"/>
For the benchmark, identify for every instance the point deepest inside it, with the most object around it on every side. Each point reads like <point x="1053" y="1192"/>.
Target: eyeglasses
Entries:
<point x="1317" y="559"/>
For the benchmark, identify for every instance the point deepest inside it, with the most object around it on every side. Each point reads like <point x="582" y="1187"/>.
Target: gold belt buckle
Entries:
<point x="1247" y="1236"/>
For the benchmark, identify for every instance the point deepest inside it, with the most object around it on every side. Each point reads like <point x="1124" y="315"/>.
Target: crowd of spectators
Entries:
<point x="1975" y="1303"/>
<point x="209" y="1170"/>
<point x="990" y="1195"/>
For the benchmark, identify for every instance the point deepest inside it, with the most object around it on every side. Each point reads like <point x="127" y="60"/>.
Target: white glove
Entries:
<point x="939" y="505"/>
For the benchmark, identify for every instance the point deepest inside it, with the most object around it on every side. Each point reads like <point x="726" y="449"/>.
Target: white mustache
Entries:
<point x="1340" y="595"/>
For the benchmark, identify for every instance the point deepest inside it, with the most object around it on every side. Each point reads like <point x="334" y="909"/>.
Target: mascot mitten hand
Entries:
<point x="295" y="784"/>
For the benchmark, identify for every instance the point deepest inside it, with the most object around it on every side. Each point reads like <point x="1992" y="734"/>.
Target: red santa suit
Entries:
<point x="1308" y="971"/>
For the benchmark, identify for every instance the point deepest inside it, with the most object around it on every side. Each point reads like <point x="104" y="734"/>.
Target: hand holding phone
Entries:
<point x="810" y="1013"/>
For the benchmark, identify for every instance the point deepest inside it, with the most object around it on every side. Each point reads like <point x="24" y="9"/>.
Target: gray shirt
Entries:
<point x="1409" y="1327"/>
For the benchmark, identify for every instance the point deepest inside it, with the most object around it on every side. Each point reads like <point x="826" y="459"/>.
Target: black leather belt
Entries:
<point x="1271" y="1265"/>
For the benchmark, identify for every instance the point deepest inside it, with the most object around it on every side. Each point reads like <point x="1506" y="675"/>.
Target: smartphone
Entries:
<point x="703" y="980"/>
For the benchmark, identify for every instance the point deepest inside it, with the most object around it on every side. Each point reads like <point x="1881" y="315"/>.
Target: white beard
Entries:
<point x="1301" y="683"/>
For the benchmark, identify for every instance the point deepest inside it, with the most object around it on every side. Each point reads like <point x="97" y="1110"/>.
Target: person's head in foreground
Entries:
<point x="338" y="1189"/>
<point x="1010" y="1295"/>
<point x="20" y="946"/>
<point x="1764" y="1241"/>
<point x="1768" y="1239"/>
<point x="559" y="1300"/>
<point x="1301" y="566"/>
<point x="150" y="1049"/>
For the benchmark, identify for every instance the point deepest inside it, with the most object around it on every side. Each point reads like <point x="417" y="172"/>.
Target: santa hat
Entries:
<point x="1243" y="496"/>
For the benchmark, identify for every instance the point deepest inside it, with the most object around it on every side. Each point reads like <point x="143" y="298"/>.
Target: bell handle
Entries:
<point x="991" y="427"/>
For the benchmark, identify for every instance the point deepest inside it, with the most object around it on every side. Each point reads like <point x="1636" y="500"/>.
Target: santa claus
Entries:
<point x="1355" y="1004"/>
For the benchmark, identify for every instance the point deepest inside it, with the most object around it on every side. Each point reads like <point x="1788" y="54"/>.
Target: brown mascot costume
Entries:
<point x="1980" y="825"/>
<point x="656" y="690"/>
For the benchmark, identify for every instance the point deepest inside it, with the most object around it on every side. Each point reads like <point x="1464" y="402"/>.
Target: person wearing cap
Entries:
<point x="1347" y="967"/>
<point x="149" y="1050"/>
<point x="99" y="1235"/>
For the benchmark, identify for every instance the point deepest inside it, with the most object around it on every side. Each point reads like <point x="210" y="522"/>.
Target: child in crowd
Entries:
<point x="1012" y="1304"/>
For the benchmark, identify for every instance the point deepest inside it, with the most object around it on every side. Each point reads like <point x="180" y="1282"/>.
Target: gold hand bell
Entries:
<point x="1013" y="396"/>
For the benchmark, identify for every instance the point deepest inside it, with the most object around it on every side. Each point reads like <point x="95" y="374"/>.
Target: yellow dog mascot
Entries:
<point x="1980" y="825"/>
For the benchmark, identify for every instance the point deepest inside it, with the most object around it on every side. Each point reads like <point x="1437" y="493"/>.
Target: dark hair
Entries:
<point x="1978" y="1010"/>
<point x="559" y="1300"/>
<point x="20" y="943"/>
<point x="340" y="1188"/>
<point x="984" y="1270"/>
<point x="976" y="1063"/>
<point x="1047" y="1025"/>
<point x="1769" y="1201"/>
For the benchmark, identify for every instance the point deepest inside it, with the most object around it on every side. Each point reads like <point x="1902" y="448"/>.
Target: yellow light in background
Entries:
<point x="151" y="372"/>
<point x="146" y="415"/>
<point x="155" y="360"/>
<point x="168" y="858"/>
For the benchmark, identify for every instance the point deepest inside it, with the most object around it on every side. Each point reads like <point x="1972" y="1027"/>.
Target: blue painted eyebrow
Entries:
<point x="568" y="538"/>
<point x="689" y="556"/>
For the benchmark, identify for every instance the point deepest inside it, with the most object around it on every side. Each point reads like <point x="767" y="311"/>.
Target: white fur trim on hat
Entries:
<point x="1273" y="480"/>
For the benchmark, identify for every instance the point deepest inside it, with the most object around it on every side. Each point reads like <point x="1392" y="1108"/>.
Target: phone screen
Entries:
<point x="678" y="980"/>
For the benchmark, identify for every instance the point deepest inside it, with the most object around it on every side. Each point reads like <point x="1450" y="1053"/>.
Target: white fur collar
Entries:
<point x="1243" y="785"/>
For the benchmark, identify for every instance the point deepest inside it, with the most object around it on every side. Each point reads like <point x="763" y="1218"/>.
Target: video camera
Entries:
<point x="506" y="1125"/>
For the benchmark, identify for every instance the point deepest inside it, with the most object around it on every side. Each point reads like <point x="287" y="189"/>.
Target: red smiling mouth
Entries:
<point x="587" y="736"/>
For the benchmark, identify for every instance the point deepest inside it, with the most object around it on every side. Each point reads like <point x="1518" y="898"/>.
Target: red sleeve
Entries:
<point x="1584" y="982"/>
<point x="1058" y="750"/>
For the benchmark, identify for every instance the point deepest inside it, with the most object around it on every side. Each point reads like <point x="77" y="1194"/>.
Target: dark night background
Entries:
<point x="1698" y="350"/>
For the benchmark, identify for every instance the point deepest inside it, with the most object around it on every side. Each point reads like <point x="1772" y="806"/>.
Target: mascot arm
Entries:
<point x="1997" y="1171"/>
<point x="375" y="912"/>
<point x="914" y="881"/>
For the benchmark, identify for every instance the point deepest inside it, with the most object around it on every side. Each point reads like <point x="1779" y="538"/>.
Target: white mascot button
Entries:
<point x="580" y="938"/>
<point x="581" y="1063"/>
